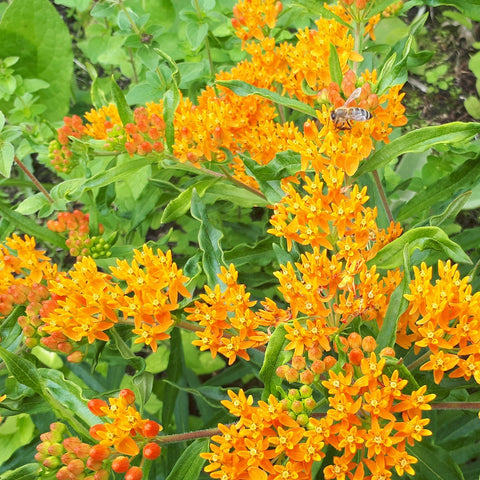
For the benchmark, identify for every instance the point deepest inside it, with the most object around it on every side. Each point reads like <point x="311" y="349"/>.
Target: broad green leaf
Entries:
<point x="419" y="141"/>
<point x="181" y="205"/>
<point x="144" y="384"/>
<point x="466" y="176"/>
<point x="334" y="65"/>
<point x="244" y="89"/>
<point x="275" y="355"/>
<point x="391" y="256"/>
<point x="190" y="464"/>
<point x="29" y="471"/>
<point x="397" y="305"/>
<point x="209" y="241"/>
<point x="434" y="462"/>
<point x="124" y="110"/>
<point x="452" y="210"/>
<point x="74" y="188"/>
<point x="15" y="432"/>
<point x="196" y="33"/>
<point x="66" y="398"/>
<point x="34" y="31"/>
<point x="24" y="371"/>
<point x="7" y="152"/>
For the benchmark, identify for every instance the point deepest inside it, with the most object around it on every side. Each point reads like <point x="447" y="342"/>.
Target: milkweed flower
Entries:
<point x="369" y="421"/>
<point x="230" y="325"/>
<point x="442" y="317"/>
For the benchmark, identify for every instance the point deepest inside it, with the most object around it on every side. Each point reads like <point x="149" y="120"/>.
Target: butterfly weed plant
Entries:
<point x="221" y="277"/>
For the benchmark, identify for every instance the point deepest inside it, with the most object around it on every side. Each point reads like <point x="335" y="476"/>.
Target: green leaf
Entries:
<point x="196" y="33"/>
<point x="397" y="305"/>
<point x="463" y="178"/>
<point x="74" y="188"/>
<point x="34" y="31"/>
<point x="7" y="152"/>
<point x="16" y="432"/>
<point x="138" y="363"/>
<point x="66" y="399"/>
<point x="434" y="462"/>
<point x="30" y="227"/>
<point x="210" y="395"/>
<point x="334" y="65"/>
<point x="275" y="355"/>
<point x="171" y="99"/>
<point x="452" y="210"/>
<point x="181" y="204"/>
<point x="174" y="374"/>
<point x="30" y="471"/>
<point x="124" y="110"/>
<point x="261" y="253"/>
<point x="190" y="464"/>
<point x="209" y="241"/>
<point x="144" y="384"/>
<point x="419" y="141"/>
<point x="244" y="89"/>
<point x="24" y="371"/>
<point x="392" y="255"/>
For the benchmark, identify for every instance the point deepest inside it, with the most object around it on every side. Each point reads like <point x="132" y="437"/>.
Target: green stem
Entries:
<point x="419" y="361"/>
<point x="207" y="43"/>
<point x="383" y="197"/>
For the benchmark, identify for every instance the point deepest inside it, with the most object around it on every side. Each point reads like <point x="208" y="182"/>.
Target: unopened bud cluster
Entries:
<point x="79" y="242"/>
<point x="315" y="365"/>
<point x="299" y="403"/>
<point x="68" y="458"/>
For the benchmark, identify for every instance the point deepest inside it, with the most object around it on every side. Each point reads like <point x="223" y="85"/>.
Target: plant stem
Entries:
<point x="419" y="361"/>
<point x="183" y="437"/>
<point x="207" y="43"/>
<point x="32" y="177"/>
<point x="456" y="406"/>
<point x="383" y="197"/>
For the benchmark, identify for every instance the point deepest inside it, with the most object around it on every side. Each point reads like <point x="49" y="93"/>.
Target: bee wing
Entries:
<point x="359" y="114"/>
<point x="355" y="94"/>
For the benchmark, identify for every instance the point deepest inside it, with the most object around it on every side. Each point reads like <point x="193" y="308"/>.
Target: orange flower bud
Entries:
<point x="369" y="344"/>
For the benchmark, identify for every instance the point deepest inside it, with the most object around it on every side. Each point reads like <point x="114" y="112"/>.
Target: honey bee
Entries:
<point x="342" y="116"/>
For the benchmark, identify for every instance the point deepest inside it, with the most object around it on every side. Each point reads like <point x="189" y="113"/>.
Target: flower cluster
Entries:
<point x="443" y="318"/>
<point x="23" y="269"/>
<point x="120" y="439"/>
<point x="79" y="241"/>
<point x="360" y="422"/>
<point x="224" y="121"/>
<point x="230" y="324"/>
<point x="86" y="302"/>
<point x="124" y="429"/>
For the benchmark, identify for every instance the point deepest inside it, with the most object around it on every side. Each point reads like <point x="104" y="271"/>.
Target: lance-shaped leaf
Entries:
<point x="462" y="179"/>
<point x="244" y="89"/>
<point x="396" y="306"/>
<point x="189" y="465"/>
<point x="434" y="462"/>
<point x="419" y="141"/>
<point x="391" y="256"/>
<point x="209" y="241"/>
<point x="275" y="355"/>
